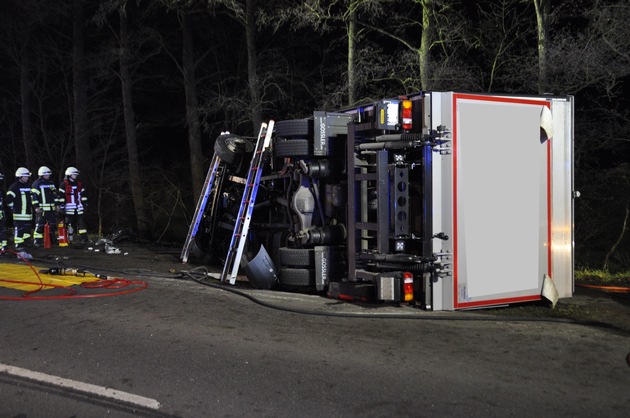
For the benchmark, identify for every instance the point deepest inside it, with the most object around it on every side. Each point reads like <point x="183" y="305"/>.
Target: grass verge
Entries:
<point x="593" y="276"/>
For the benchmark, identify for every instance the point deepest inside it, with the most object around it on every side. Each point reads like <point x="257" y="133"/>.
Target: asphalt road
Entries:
<point x="179" y="348"/>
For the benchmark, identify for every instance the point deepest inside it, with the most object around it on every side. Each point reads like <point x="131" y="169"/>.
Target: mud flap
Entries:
<point x="260" y="271"/>
<point x="323" y="265"/>
<point x="327" y="265"/>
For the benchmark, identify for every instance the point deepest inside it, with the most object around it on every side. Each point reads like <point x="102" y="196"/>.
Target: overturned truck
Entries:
<point x="442" y="200"/>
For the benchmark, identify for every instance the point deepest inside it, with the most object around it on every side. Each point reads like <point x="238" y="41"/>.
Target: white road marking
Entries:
<point x="81" y="386"/>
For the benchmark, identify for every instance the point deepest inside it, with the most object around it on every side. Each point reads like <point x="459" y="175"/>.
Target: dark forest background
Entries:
<point x="134" y="92"/>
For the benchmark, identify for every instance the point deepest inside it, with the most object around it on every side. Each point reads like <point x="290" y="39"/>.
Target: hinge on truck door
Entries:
<point x="443" y="263"/>
<point x="440" y="140"/>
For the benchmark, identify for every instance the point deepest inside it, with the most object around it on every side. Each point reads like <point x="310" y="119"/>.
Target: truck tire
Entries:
<point x="295" y="128"/>
<point x="230" y="147"/>
<point x="296" y="277"/>
<point x="297" y="257"/>
<point x="292" y="148"/>
<point x="277" y="240"/>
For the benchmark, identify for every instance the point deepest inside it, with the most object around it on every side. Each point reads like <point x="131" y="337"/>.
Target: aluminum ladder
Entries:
<point x="201" y="206"/>
<point x="241" y="227"/>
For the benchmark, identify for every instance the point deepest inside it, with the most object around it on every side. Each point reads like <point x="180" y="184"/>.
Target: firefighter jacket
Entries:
<point x="1" y="208"/>
<point x="71" y="197"/>
<point x="21" y="202"/>
<point x="46" y="194"/>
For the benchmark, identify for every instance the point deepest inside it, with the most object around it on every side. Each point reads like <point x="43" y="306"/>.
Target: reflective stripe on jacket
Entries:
<point x="20" y="201"/>
<point x="71" y="196"/>
<point x="46" y="193"/>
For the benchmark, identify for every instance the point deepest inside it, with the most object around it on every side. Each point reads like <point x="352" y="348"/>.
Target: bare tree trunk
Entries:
<point x="144" y="224"/>
<point x="27" y="122"/>
<point x="352" y="34"/>
<point x="192" y="106"/>
<point x="79" y="87"/>
<point x="252" y="64"/>
<point x="616" y="244"/>
<point x="542" y="23"/>
<point x="425" y="43"/>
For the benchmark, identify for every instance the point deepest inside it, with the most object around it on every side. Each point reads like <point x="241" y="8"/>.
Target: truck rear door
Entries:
<point x="493" y="195"/>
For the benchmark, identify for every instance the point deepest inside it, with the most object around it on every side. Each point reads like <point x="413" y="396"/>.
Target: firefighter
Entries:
<point x="72" y="203"/>
<point x="20" y="202"/>
<point x="45" y="191"/>
<point x="3" y="232"/>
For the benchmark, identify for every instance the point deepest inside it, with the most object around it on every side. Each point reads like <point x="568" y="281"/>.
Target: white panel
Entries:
<point x="442" y="168"/>
<point x="562" y="192"/>
<point x="442" y="287"/>
<point x="501" y="199"/>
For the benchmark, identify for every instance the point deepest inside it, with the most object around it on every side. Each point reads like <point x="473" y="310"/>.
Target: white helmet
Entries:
<point x="44" y="171"/>
<point x="72" y="170"/>
<point x="22" y="172"/>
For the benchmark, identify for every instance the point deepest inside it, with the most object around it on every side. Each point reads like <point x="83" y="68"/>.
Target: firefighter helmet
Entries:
<point x="72" y="170"/>
<point x="44" y="171"/>
<point x="22" y="172"/>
